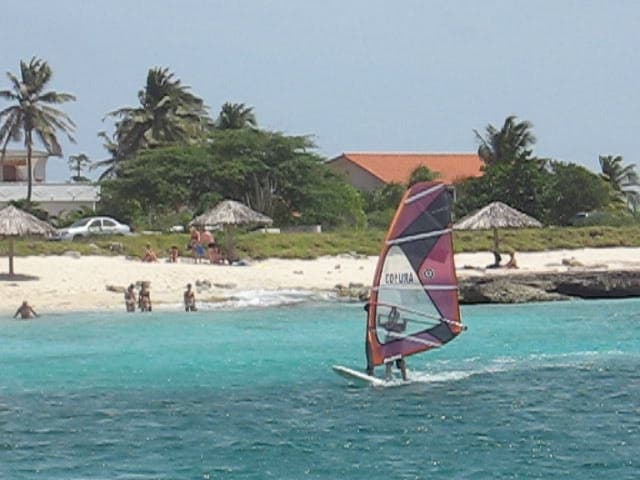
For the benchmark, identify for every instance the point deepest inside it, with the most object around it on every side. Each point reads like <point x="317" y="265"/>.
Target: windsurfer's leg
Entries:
<point x="402" y="365"/>
<point x="387" y="370"/>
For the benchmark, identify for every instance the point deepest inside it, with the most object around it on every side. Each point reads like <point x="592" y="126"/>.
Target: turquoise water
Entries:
<point x="532" y="391"/>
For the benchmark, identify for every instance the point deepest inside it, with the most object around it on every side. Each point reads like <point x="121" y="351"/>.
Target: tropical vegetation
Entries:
<point x="32" y="114"/>
<point x="77" y="163"/>
<point x="167" y="161"/>
<point x="554" y="191"/>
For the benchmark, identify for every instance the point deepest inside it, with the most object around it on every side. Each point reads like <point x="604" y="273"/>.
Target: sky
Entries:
<point x="356" y="75"/>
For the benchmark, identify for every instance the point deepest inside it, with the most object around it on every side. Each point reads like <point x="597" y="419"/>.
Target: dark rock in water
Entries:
<point x="353" y="292"/>
<point x="534" y="287"/>
<point x="501" y="290"/>
<point x="619" y="284"/>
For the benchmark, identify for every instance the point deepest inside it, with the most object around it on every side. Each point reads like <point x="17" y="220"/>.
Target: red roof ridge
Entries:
<point x="376" y="163"/>
<point x="407" y="153"/>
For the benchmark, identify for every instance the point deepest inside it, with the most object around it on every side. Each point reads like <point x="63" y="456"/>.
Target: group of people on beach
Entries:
<point x="143" y="300"/>
<point x="202" y="245"/>
<point x="497" y="260"/>
<point x="132" y="299"/>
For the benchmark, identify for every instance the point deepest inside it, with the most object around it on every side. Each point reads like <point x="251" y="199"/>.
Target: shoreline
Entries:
<point x="73" y="283"/>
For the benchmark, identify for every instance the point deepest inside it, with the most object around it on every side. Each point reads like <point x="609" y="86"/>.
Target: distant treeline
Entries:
<point x="168" y="160"/>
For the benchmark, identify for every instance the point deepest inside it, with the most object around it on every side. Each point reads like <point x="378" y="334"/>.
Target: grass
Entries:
<point x="311" y="245"/>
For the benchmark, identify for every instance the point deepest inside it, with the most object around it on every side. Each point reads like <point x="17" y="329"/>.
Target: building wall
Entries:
<point x="53" y="198"/>
<point x="14" y="167"/>
<point x="61" y="208"/>
<point x="356" y="176"/>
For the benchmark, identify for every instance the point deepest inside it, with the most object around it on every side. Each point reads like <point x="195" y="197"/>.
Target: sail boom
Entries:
<point x="413" y="338"/>
<point x="424" y="314"/>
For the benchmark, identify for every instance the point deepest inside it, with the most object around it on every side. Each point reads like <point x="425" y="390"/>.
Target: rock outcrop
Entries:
<point x="533" y="287"/>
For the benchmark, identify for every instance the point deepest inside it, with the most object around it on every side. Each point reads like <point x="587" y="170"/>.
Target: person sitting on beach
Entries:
<point x="189" y="299"/>
<point x="173" y="254"/>
<point x="215" y="256"/>
<point x="497" y="258"/>
<point x="25" y="311"/>
<point x="149" y="255"/>
<point x="512" y="263"/>
<point x="144" y="300"/>
<point x="130" y="299"/>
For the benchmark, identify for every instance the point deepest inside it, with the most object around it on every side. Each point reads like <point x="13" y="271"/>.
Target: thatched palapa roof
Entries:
<point x="230" y="212"/>
<point x="16" y="223"/>
<point x="496" y="215"/>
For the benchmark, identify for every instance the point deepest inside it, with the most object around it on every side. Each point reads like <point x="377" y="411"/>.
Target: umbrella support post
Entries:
<point x="11" y="253"/>
<point x="496" y="241"/>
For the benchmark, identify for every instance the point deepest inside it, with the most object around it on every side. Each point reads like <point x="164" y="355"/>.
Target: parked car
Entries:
<point x="93" y="226"/>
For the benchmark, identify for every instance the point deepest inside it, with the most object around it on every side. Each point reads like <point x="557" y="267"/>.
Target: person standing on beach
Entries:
<point x="189" y="300"/>
<point x="130" y="298"/>
<point x="25" y="311"/>
<point x="144" y="300"/>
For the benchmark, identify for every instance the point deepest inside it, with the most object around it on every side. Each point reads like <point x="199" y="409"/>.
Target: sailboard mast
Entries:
<point x="414" y="299"/>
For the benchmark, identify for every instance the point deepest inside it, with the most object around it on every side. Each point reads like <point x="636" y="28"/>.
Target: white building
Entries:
<point x="54" y="198"/>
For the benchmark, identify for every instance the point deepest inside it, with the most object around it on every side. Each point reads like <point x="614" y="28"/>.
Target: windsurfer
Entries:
<point x="395" y="325"/>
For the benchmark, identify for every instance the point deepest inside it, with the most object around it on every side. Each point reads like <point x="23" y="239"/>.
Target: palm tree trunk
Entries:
<point x="29" y="143"/>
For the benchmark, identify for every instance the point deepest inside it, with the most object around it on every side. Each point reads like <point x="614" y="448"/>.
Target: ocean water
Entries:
<point x="529" y="391"/>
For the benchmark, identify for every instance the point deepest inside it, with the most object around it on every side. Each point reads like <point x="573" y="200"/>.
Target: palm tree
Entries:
<point x="510" y="143"/>
<point x="77" y="164"/>
<point x="32" y="113"/>
<point x="112" y="162"/>
<point x="235" y="116"/>
<point x="168" y="113"/>
<point x="623" y="179"/>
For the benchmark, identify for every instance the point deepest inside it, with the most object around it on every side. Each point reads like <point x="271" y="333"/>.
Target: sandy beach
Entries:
<point x="91" y="283"/>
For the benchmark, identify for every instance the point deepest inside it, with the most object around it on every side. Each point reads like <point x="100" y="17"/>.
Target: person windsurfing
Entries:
<point x="395" y="325"/>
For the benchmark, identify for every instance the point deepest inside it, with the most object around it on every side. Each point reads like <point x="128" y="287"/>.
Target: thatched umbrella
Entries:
<point x="230" y="212"/>
<point x="494" y="216"/>
<point x="16" y="223"/>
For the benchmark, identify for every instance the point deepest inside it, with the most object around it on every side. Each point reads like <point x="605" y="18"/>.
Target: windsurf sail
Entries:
<point x="414" y="299"/>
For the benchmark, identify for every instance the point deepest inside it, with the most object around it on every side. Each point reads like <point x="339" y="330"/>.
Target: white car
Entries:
<point x="93" y="226"/>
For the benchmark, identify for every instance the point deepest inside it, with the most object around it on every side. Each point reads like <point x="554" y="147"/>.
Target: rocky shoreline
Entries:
<point x="541" y="287"/>
<point x="517" y="287"/>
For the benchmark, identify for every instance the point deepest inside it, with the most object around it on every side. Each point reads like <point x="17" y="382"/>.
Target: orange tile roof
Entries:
<point x="397" y="167"/>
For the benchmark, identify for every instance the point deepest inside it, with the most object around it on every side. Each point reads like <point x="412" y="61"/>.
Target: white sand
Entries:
<point x="80" y="284"/>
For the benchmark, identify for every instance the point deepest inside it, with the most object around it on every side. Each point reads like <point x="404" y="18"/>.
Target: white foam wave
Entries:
<point x="504" y="364"/>
<point x="263" y="299"/>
